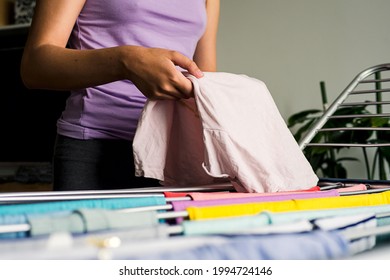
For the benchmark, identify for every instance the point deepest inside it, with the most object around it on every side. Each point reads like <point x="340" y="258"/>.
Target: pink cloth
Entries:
<point x="232" y="130"/>
<point x="354" y="188"/>
<point x="182" y="205"/>
<point x="212" y="196"/>
<point x="175" y="194"/>
<point x="225" y="194"/>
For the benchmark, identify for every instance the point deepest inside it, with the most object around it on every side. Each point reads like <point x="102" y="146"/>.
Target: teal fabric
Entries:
<point x="46" y="225"/>
<point x="90" y="220"/>
<point x="24" y="219"/>
<point x="109" y="203"/>
<point x="283" y="217"/>
<point x="100" y="219"/>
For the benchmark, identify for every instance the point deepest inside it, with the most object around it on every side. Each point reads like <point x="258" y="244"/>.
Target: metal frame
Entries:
<point x="363" y="77"/>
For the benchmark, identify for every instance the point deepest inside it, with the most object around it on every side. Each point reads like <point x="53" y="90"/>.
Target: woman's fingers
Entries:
<point x="157" y="76"/>
<point x="187" y="64"/>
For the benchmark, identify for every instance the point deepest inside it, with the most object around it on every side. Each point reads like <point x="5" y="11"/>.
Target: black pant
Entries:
<point x="98" y="164"/>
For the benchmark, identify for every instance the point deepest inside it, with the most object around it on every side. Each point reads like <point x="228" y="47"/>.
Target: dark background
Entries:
<point x="27" y="117"/>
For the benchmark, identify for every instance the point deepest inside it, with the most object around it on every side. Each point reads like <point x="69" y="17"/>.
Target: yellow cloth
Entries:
<point x="209" y="212"/>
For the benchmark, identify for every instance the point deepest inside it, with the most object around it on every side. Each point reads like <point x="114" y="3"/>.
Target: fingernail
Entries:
<point x="199" y="74"/>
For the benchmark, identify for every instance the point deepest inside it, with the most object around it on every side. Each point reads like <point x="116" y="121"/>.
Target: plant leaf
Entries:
<point x="301" y="117"/>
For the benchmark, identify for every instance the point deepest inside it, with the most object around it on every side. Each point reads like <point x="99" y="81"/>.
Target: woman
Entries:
<point x="112" y="56"/>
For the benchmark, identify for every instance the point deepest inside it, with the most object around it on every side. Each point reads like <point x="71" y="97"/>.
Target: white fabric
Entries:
<point x="352" y="223"/>
<point x="232" y="129"/>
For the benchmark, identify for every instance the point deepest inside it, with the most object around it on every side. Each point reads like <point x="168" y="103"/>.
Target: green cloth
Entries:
<point x="90" y="220"/>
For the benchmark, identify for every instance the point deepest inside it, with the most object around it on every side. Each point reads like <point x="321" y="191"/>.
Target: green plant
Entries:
<point x="326" y="161"/>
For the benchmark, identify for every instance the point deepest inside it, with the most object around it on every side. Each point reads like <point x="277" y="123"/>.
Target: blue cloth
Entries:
<point x="315" y="245"/>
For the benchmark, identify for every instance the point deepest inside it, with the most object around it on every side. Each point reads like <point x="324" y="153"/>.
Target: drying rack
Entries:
<point x="360" y="114"/>
<point x="373" y="82"/>
<point x="369" y="82"/>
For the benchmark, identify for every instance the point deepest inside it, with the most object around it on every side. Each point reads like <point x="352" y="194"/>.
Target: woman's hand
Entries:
<point x="153" y="71"/>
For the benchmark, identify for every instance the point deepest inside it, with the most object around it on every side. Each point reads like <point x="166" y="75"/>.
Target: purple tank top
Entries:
<point x="111" y="111"/>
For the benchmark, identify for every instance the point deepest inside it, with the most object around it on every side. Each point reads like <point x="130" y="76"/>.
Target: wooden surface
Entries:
<point x="19" y="187"/>
<point x="10" y="183"/>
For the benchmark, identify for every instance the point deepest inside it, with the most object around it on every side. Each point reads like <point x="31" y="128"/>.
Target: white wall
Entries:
<point x="292" y="45"/>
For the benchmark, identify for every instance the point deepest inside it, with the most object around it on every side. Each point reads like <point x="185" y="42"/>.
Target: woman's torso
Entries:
<point x="111" y="111"/>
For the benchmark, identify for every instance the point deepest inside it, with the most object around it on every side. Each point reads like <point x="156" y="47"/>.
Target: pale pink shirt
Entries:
<point x="232" y="130"/>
